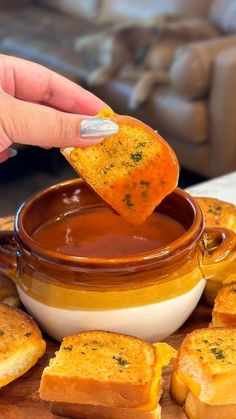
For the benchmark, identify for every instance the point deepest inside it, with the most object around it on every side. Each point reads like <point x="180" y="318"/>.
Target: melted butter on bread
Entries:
<point x="21" y="343"/>
<point x="224" y="312"/>
<point x="164" y="353"/>
<point x="218" y="213"/>
<point x="105" y="369"/>
<point x="133" y="170"/>
<point x="206" y="364"/>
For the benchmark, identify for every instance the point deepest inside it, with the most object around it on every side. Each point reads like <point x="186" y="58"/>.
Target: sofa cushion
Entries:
<point x="134" y="10"/>
<point x="27" y="32"/>
<point x="45" y="52"/>
<point x="87" y="9"/>
<point x="167" y="112"/>
<point x="191" y="72"/>
<point x="46" y="24"/>
<point x="222" y="13"/>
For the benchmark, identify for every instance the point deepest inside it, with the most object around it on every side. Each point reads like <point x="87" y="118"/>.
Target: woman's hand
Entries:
<point x="40" y="107"/>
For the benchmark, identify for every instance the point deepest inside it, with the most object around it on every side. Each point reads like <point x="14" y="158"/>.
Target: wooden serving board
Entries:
<point x="20" y="399"/>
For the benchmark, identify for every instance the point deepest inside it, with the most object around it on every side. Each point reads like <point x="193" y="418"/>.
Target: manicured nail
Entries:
<point x="93" y="128"/>
<point x="12" y="152"/>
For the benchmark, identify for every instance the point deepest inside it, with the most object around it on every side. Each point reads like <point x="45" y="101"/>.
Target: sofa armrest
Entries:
<point x="222" y="113"/>
<point x="191" y="72"/>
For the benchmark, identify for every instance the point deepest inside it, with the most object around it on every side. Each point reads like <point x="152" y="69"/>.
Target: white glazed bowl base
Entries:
<point x="152" y="322"/>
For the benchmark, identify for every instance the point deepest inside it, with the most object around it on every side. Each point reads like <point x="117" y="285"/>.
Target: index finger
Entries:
<point x="34" y="83"/>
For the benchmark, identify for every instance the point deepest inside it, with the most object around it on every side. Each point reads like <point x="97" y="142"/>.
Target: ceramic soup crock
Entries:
<point x="149" y="295"/>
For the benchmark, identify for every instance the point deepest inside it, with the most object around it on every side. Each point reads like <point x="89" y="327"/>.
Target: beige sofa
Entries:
<point x="195" y="112"/>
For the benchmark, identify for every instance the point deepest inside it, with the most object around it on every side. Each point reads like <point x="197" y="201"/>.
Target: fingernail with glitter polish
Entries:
<point x="12" y="152"/>
<point x="94" y="128"/>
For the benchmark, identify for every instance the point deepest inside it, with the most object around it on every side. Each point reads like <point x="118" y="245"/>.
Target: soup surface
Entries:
<point x="100" y="233"/>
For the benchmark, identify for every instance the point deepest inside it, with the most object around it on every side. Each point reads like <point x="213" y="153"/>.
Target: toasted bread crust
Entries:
<point x="118" y="370"/>
<point x="54" y="388"/>
<point x="79" y="411"/>
<point x="206" y="364"/>
<point x="218" y="213"/>
<point x="133" y="170"/>
<point x="21" y="343"/>
<point x="211" y="290"/>
<point x="7" y="223"/>
<point x="8" y="292"/>
<point x="178" y="389"/>
<point x="224" y="312"/>
<point x="194" y="408"/>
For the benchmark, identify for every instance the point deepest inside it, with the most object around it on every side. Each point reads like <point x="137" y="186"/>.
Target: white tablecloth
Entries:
<point x="223" y="187"/>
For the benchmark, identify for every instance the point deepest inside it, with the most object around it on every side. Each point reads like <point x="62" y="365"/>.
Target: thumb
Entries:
<point x="28" y="123"/>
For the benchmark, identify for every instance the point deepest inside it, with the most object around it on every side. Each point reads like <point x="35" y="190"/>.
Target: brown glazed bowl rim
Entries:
<point x="190" y="236"/>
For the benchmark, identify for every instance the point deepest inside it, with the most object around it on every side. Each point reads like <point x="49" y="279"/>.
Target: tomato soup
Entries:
<point x="100" y="233"/>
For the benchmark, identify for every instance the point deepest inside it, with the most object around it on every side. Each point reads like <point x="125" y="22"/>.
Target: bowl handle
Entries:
<point x="8" y="249"/>
<point x="219" y="254"/>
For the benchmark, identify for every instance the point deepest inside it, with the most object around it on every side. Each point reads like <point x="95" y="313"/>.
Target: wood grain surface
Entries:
<point x="20" y="399"/>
